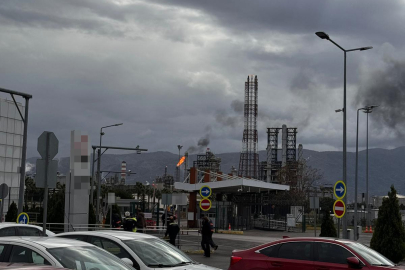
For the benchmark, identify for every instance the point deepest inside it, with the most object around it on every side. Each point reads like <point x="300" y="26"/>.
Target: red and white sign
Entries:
<point x="339" y="208"/>
<point x="205" y="204"/>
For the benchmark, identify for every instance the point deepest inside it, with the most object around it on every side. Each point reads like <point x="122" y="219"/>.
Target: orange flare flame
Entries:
<point x="181" y="161"/>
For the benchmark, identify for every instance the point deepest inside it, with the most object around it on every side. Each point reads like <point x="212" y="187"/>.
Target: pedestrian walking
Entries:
<point x="141" y="223"/>
<point x="129" y="223"/>
<point x="212" y="243"/>
<point x="206" y="236"/>
<point x="172" y="230"/>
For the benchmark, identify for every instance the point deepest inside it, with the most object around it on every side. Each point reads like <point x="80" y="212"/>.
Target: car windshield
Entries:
<point x="370" y="255"/>
<point x="158" y="253"/>
<point x="86" y="258"/>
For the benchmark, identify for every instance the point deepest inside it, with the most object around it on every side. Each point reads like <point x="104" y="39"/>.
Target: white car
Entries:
<point x="58" y="252"/>
<point x="17" y="229"/>
<point x="145" y="251"/>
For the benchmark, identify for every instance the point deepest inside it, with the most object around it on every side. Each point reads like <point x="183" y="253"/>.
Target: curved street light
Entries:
<point x="323" y="35"/>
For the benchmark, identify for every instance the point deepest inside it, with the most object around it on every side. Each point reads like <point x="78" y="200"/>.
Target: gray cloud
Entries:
<point x="167" y="69"/>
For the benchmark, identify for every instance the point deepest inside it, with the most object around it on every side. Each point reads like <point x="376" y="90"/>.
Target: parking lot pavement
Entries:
<point x="228" y="242"/>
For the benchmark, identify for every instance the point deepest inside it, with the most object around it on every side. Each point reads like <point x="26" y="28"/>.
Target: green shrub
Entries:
<point x="12" y="213"/>
<point x="389" y="233"/>
<point x="328" y="227"/>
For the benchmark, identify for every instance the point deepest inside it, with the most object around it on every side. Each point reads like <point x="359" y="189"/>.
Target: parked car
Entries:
<point x="310" y="253"/>
<point x="58" y="252"/>
<point x="28" y="266"/>
<point x="17" y="229"/>
<point x="145" y="251"/>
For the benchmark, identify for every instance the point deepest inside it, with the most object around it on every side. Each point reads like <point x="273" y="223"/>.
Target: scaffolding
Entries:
<point x="249" y="157"/>
<point x="289" y="154"/>
<point x="273" y="164"/>
<point x="208" y="162"/>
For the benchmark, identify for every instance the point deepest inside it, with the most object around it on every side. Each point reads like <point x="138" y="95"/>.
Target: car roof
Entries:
<point x="14" y="224"/>
<point x="46" y="242"/>
<point x="303" y="239"/>
<point x="122" y="235"/>
<point x="29" y="266"/>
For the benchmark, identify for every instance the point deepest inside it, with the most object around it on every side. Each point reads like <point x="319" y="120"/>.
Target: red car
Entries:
<point x="309" y="254"/>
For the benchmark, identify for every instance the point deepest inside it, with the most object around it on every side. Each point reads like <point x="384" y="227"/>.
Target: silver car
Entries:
<point x="17" y="229"/>
<point x="58" y="252"/>
<point x="145" y="251"/>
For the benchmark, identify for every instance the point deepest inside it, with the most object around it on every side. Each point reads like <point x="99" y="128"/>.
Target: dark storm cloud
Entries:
<point x="168" y="68"/>
<point x="300" y="17"/>
<point x="386" y="88"/>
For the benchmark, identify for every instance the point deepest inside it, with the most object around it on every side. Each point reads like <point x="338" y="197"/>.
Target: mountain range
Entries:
<point x="386" y="167"/>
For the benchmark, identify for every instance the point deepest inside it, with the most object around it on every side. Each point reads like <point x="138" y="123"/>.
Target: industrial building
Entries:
<point x="250" y="190"/>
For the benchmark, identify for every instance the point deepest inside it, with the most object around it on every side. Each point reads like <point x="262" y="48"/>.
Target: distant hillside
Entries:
<point x="386" y="167"/>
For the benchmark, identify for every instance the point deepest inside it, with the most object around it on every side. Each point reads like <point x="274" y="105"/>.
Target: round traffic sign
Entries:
<point x="3" y="191"/>
<point x="23" y="218"/>
<point x="339" y="208"/>
<point x="205" y="204"/>
<point x="339" y="189"/>
<point x="205" y="191"/>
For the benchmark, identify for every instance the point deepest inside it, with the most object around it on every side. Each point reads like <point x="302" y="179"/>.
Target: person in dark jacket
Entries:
<point x="172" y="230"/>
<point x="212" y="244"/>
<point x="206" y="236"/>
<point x="129" y="223"/>
<point x="116" y="221"/>
<point x="141" y="223"/>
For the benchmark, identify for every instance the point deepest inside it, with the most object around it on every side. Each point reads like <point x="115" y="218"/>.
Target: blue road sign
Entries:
<point x="339" y="189"/>
<point x="205" y="191"/>
<point x="23" y="218"/>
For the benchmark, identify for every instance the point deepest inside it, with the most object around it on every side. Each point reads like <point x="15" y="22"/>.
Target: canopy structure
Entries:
<point x="240" y="185"/>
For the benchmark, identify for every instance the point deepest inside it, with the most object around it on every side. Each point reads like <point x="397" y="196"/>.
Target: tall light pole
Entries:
<point x="323" y="35"/>
<point x="99" y="173"/>
<point x="368" y="110"/>
<point x="356" y="177"/>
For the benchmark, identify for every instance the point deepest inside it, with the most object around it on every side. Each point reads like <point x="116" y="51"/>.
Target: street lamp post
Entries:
<point x="368" y="110"/>
<point x="99" y="173"/>
<point x="355" y="181"/>
<point x="323" y="35"/>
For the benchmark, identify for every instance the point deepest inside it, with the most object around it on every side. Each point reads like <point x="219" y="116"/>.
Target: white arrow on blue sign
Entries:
<point x="340" y="189"/>
<point x="23" y="218"/>
<point x="205" y="191"/>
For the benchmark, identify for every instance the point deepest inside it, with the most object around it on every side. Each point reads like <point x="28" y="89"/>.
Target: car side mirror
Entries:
<point x="353" y="262"/>
<point x="127" y="261"/>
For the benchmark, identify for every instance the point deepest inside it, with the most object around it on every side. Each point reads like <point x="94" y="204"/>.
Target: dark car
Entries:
<point x="309" y="254"/>
<point x="28" y="266"/>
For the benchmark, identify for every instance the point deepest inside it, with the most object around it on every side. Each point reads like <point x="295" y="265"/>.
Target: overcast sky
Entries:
<point x="173" y="71"/>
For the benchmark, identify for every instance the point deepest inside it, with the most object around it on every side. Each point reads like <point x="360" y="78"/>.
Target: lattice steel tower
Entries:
<point x="249" y="158"/>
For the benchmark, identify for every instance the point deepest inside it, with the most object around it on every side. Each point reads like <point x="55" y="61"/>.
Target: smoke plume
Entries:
<point x="386" y="88"/>
<point x="228" y="119"/>
<point x="202" y="143"/>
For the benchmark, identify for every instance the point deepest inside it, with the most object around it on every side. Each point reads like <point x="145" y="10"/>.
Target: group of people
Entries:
<point x="207" y="230"/>
<point x="138" y="224"/>
<point x="130" y="223"/>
